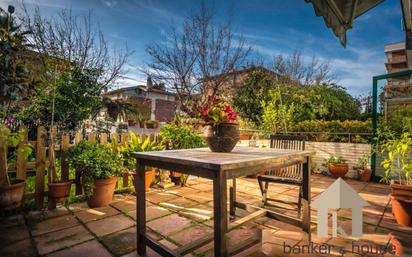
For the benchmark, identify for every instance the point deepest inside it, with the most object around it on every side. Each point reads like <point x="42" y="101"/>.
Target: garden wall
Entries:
<point x="349" y="151"/>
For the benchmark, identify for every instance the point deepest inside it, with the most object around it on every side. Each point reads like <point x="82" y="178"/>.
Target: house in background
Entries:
<point x="154" y="100"/>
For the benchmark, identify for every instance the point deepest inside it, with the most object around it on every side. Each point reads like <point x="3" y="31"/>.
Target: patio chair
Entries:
<point x="291" y="175"/>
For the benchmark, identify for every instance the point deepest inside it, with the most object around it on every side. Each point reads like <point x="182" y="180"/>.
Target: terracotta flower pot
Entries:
<point x="402" y="209"/>
<point x="59" y="191"/>
<point x="245" y="136"/>
<point x="141" y="124"/>
<point x="364" y="174"/>
<point x="12" y="195"/>
<point x="149" y="177"/>
<point x="102" y="192"/>
<point x="400" y="189"/>
<point x="131" y="122"/>
<point x="176" y="176"/>
<point x="338" y="170"/>
<point x="222" y="137"/>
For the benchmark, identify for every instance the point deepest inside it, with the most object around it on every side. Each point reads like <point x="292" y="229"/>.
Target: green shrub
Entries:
<point x="94" y="161"/>
<point x="180" y="137"/>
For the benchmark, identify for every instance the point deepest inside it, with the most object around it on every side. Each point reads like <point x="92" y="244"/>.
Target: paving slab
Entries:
<point x="90" y="249"/>
<point x="121" y="242"/>
<point x="96" y="214"/>
<point x="200" y="212"/>
<point x="124" y="205"/>
<point x="57" y="240"/>
<point x="54" y="224"/>
<point x="110" y="225"/>
<point x="13" y="234"/>
<point x="22" y="248"/>
<point x="191" y="234"/>
<point x="169" y="224"/>
<point x="160" y="197"/>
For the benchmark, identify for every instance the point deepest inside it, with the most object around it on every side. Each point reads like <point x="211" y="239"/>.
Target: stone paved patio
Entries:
<point x="180" y="215"/>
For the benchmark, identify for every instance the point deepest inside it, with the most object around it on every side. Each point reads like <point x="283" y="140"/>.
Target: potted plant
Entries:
<point x="132" y="118"/>
<point x="141" y="120"/>
<point x="363" y="170"/>
<point x="222" y="131"/>
<point x="337" y="166"/>
<point x="98" y="167"/>
<point x="137" y="145"/>
<point x="11" y="191"/>
<point x="398" y="171"/>
<point x="180" y="137"/>
<point x="152" y="124"/>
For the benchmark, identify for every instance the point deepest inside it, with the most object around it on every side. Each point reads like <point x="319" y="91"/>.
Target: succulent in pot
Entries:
<point x="179" y="136"/>
<point x="337" y="166"/>
<point x="398" y="172"/>
<point x="98" y="166"/>
<point x="137" y="145"/>
<point x="11" y="191"/>
<point x="222" y="130"/>
<point x="152" y="124"/>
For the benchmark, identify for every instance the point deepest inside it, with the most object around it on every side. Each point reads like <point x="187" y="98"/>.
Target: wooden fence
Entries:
<point x="44" y="146"/>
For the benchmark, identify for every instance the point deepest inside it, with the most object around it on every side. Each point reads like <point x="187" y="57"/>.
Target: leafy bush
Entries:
<point x="334" y="160"/>
<point x="94" y="161"/>
<point x="180" y="137"/>
<point x="136" y="145"/>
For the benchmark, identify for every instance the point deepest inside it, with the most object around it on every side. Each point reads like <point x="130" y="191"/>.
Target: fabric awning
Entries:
<point x="339" y="14"/>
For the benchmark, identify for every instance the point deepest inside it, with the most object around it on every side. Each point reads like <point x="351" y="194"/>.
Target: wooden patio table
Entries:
<point x="219" y="167"/>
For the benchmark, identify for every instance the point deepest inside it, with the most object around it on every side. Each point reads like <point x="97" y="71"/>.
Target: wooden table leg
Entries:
<point x="306" y="195"/>
<point x="140" y="208"/>
<point x="220" y="214"/>
<point x="232" y="200"/>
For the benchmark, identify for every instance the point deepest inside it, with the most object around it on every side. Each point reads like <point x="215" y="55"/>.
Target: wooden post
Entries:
<point x="64" y="146"/>
<point x="21" y="161"/>
<point x="40" y="167"/>
<point x="103" y="138"/>
<point x="91" y="137"/>
<point x="124" y="140"/>
<point x="77" y="137"/>
<point x="52" y="174"/>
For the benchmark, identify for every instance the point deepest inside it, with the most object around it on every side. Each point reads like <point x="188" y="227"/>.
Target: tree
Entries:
<point x="16" y="80"/>
<point x="277" y="116"/>
<point x="316" y="72"/>
<point x="248" y="96"/>
<point x="197" y="58"/>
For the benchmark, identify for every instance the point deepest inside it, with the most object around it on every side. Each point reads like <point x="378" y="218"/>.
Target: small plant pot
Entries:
<point x="141" y="124"/>
<point x="400" y="189"/>
<point x="364" y="174"/>
<point x="150" y="125"/>
<point x="12" y="195"/>
<point x="149" y="177"/>
<point x="131" y="122"/>
<point x="245" y="136"/>
<point x="402" y="209"/>
<point x="102" y="192"/>
<point x="176" y="176"/>
<point x="222" y="137"/>
<point x="338" y="170"/>
<point x="59" y="191"/>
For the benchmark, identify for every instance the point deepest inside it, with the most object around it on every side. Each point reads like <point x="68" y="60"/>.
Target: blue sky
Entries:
<point x="271" y="27"/>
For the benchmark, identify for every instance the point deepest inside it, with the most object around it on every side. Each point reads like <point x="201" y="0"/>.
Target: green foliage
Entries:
<point x="136" y="145"/>
<point x="180" y="137"/>
<point x="77" y="96"/>
<point x="398" y="161"/>
<point x="249" y="95"/>
<point x="94" y="161"/>
<point x="400" y="120"/>
<point x="276" y="117"/>
<point x="334" y="160"/>
<point x="323" y="102"/>
<point x="15" y="77"/>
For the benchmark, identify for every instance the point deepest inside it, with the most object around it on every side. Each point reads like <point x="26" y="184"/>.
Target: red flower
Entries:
<point x="204" y="110"/>
<point x="228" y="110"/>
